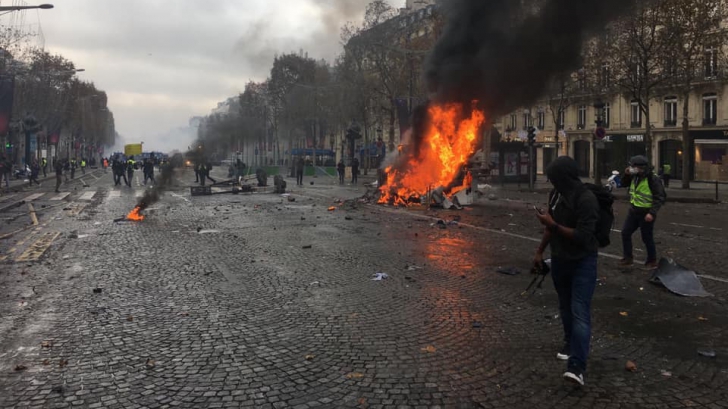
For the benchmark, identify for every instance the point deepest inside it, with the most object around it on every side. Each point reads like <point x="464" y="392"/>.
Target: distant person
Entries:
<point x="341" y="168"/>
<point x="208" y="168"/>
<point x="647" y="196"/>
<point x="74" y="165"/>
<point x="59" y="174"/>
<point x="34" y="173"/>
<point x="5" y="170"/>
<point x="44" y="166"/>
<point x="666" y="174"/>
<point x="105" y="165"/>
<point x="299" y="171"/>
<point x="83" y="166"/>
<point x="149" y="171"/>
<point x="130" y="166"/>
<point x="197" y="172"/>
<point x="355" y="171"/>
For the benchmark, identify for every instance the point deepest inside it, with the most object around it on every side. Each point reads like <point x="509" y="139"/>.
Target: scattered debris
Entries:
<point x="701" y="318"/>
<point x="63" y="363"/>
<point x="665" y="373"/>
<point x="630" y="366"/>
<point x="310" y="357"/>
<point x="413" y="268"/>
<point x="150" y="363"/>
<point x="678" y="279"/>
<point x="380" y="276"/>
<point x="184" y="314"/>
<point x="58" y="389"/>
<point x="477" y="324"/>
<point x="46" y="362"/>
<point x="708" y="353"/>
<point x="306" y="247"/>
<point x="98" y="290"/>
<point x="348" y="218"/>
<point x="20" y="367"/>
<point x="624" y="313"/>
<point x="332" y="208"/>
<point x="130" y="318"/>
<point x="46" y="344"/>
<point x="429" y="349"/>
<point x="511" y="271"/>
<point x="355" y="375"/>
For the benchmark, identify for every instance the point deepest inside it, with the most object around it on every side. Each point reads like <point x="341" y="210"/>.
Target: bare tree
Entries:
<point x="638" y="49"/>
<point x="560" y="98"/>
<point x="694" y="55"/>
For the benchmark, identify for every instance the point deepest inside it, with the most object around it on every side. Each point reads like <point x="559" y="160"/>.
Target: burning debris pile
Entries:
<point x="443" y="140"/>
<point x="152" y="195"/>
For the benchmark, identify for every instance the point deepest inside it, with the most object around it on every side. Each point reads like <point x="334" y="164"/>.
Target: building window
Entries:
<point x="710" y="109"/>
<point x="562" y="119"/>
<point x="606" y="76"/>
<point x="582" y="79"/>
<point x="711" y="62"/>
<point x="527" y="121"/>
<point x="541" y="119"/>
<point x="514" y="122"/>
<point x="607" y="115"/>
<point x="636" y="114"/>
<point x="581" y="117"/>
<point x="671" y="111"/>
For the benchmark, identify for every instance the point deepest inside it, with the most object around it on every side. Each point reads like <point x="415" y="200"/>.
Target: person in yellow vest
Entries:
<point x="666" y="174"/>
<point x="647" y="196"/>
<point x="83" y="166"/>
<point x="130" y="166"/>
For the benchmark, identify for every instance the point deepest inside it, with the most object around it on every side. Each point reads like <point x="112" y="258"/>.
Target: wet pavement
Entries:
<point x="258" y="301"/>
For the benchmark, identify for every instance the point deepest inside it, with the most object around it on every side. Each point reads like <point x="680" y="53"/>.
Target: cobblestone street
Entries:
<point x="257" y="301"/>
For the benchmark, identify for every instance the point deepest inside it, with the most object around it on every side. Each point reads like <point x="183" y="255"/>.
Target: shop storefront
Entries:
<point x="618" y="149"/>
<point x="548" y="150"/>
<point x="710" y="154"/>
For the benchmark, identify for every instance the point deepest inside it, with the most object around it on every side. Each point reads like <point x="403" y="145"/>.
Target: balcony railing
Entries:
<point x="670" y="123"/>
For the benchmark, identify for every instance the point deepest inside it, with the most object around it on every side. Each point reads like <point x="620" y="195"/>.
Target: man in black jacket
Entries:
<point x="570" y="231"/>
<point x="647" y="196"/>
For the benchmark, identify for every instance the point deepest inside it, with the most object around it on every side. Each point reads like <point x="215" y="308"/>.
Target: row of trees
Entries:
<point x="307" y="103"/>
<point x="663" y="46"/>
<point x="44" y="102"/>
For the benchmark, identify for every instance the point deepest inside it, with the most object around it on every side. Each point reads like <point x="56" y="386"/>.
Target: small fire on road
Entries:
<point x="445" y="145"/>
<point x="135" y="215"/>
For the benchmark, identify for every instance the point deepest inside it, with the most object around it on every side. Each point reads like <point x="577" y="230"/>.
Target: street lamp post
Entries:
<point x="599" y="135"/>
<point x="19" y="8"/>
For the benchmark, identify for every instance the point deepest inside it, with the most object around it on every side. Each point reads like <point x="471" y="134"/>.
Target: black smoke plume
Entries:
<point x="162" y="183"/>
<point x="504" y="53"/>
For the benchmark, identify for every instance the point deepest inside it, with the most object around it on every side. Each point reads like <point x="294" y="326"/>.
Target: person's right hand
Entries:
<point x="538" y="260"/>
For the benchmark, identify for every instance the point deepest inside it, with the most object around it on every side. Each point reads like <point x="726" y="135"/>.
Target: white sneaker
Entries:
<point x="563" y="355"/>
<point x="575" y="377"/>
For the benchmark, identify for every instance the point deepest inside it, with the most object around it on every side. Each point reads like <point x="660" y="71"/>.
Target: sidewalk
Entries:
<point x="16" y="185"/>
<point x="699" y="192"/>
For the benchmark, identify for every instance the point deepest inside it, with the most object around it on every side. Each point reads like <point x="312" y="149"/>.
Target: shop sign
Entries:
<point x="635" y="138"/>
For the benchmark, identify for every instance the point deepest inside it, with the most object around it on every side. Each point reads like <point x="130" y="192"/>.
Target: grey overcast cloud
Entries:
<point x="164" y="61"/>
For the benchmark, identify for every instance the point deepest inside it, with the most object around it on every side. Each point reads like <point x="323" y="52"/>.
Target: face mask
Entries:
<point x="633" y="170"/>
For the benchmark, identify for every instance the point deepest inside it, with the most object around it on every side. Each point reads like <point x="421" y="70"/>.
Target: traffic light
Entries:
<point x="531" y="135"/>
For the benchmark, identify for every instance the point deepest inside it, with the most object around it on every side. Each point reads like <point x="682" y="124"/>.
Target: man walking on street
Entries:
<point x="570" y="231"/>
<point x="647" y="196"/>
<point x="44" y="166"/>
<point x="355" y="171"/>
<point x="73" y="168"/>
<point x="59" y="174"/>
<point x="341" y="168"/>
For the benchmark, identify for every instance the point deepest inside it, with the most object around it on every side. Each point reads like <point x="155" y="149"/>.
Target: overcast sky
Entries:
<point x="164" y="61"/>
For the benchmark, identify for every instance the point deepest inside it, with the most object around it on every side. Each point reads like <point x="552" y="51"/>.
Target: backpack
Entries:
<point x="606" y="213"/>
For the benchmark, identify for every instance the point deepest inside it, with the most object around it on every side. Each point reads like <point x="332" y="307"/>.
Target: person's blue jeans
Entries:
<point x="575" y="281"/>
<point x="634" y="221"/>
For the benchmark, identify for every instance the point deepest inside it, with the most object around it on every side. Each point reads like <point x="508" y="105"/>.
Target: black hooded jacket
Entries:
<point x="572" y="205"/>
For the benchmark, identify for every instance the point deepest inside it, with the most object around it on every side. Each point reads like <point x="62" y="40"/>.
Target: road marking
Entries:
<point x="33" y="197"/>
<point x="61" y="196"/>
<point x="696" y="226"/>
<point x="114" y="194"/>
<point x="37" y="249"/>
<point x="88" y="196"/>
<point x="181" y="197"/>
<point x="76" y="209"/>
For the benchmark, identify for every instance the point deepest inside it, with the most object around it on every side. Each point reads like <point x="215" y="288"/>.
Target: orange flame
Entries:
<point x="135" y="215"/>
<point x="448" y="144"/>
